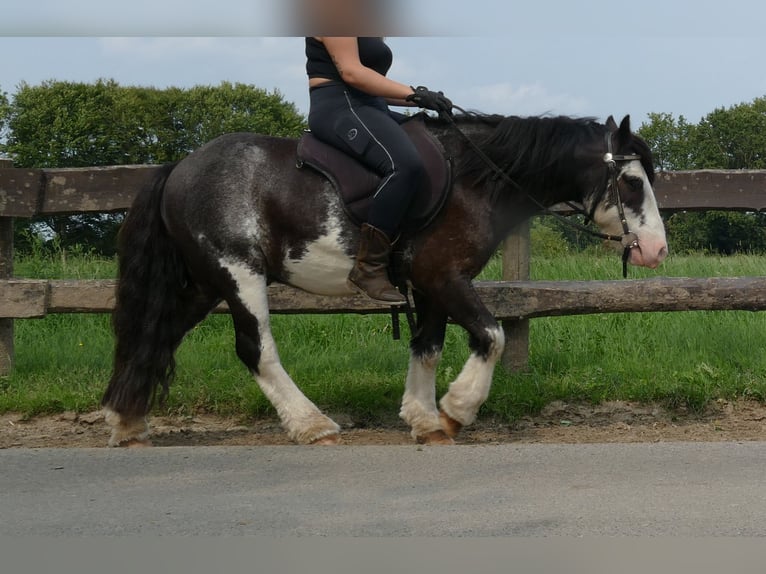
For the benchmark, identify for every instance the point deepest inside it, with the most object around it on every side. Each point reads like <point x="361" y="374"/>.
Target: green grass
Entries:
<point x="350" y="364"/>
<point x="64" y="264"/>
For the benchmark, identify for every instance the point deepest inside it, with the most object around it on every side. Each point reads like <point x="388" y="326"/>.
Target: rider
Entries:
<point x="349" y="98"/>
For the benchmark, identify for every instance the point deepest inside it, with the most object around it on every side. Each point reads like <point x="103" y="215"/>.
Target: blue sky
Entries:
<point x="681" y="57"/>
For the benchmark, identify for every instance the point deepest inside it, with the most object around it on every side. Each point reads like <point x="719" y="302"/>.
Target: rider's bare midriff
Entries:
<point x="316" y="82"/>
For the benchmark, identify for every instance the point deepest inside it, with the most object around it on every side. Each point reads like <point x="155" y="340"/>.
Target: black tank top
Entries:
<point x="373" y="53"/>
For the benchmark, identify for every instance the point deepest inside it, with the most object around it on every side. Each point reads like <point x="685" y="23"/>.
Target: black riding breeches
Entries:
<point x="366" y="129"/>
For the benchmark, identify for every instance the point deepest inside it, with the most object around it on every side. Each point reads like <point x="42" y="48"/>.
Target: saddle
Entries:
<point x="356" y="184"/>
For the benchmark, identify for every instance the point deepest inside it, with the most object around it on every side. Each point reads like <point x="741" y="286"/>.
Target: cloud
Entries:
<point x="167" y="48"/>
<point x="278" y="58"/>
<point x="266" y="62"/>
<point x="142" y="18"/>
<point x="155" y="48"/>
<point x="523" y="100"/>
<point x="404" y="73"/>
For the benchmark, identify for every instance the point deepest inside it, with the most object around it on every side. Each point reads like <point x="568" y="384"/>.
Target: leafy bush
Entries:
<point x="67" y="124"/>
<point x="721" y="232"/>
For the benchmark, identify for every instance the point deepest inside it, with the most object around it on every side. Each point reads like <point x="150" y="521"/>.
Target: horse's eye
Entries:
<point x="635" y="183"/>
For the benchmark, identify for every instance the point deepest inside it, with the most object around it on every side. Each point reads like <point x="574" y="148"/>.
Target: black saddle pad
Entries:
<point x="356" y="184"/>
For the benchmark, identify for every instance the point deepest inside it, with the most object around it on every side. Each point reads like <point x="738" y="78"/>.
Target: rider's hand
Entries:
<point x="430" y="100"/>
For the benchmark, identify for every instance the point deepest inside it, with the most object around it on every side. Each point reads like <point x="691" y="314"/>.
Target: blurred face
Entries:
<point x="341" y="17"/>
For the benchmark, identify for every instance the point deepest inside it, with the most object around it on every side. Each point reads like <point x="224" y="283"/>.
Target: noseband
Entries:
<point x="628" y="239"/>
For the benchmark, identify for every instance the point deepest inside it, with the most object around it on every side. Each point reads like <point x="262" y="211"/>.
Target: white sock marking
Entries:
<point x="471" y="387"/>
<point x="419" y="400"/>
<point x="300" y="417"/>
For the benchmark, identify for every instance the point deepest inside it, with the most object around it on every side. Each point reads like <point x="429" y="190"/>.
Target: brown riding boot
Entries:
<point x="370" y="273"/>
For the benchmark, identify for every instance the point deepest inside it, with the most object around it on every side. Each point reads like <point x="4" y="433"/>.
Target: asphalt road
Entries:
<point x="676" y="489"/>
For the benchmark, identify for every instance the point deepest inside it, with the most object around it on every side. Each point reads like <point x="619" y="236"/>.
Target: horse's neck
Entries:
<point x="512" y="206"/>
<point x="535" y="185"/>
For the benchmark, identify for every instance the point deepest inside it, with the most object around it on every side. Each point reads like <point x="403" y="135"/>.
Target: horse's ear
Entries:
<point x="623" y="133"/>
<point x="611" y="124"/>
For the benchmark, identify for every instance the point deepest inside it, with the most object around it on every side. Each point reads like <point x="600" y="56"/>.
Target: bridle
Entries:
<point x="628" y="239"/>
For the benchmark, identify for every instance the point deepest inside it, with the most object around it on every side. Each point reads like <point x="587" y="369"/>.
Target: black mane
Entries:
<point x="526" y="147"/>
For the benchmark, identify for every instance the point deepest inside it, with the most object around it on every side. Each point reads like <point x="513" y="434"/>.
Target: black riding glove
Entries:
<point x="429" y="100"/>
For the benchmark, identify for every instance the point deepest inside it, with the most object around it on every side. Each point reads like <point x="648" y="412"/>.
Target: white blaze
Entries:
<point x="646" y="224"/>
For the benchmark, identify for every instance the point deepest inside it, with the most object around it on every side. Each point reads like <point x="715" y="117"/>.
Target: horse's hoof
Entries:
<point x="437" y="437"/>
<point x="450" y="425"/>
<point x="136" y="443"/>
<point x="329" y="440"/>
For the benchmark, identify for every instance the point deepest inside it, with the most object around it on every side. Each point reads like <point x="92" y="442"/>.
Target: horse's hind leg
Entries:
<point x="129" y="425"/>
<point x="302" y="420"/>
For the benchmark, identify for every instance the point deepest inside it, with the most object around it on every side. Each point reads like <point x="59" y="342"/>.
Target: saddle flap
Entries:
<point x="439" y="169"/>
<point x="356" y="184"/>
<point x="352" y="179"/>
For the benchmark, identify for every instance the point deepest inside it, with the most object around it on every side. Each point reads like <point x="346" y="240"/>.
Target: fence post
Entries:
<point x="6" y="272"/>
<point x="516" y="267"/>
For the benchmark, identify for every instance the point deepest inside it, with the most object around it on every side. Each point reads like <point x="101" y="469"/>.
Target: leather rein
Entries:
<point x="628" y="239"/>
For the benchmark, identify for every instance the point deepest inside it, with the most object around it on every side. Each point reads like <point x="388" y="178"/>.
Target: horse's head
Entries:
<point x="621" y="199"/>
<point x="550" y="160"/>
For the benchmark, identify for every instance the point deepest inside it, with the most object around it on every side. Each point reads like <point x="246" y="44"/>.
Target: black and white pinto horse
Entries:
<point x="236" y="215"/>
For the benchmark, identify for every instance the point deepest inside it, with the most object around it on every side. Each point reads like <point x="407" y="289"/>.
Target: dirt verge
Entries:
<point x="558" y="423"/>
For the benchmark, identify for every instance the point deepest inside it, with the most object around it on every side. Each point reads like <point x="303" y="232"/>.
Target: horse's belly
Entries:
<point x="322" y="267"/>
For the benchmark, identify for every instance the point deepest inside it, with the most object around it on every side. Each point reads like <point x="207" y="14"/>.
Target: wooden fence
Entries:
<point x="29" y="192"/>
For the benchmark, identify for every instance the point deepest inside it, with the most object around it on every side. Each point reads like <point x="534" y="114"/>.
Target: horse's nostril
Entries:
<point x="663" y="253"/>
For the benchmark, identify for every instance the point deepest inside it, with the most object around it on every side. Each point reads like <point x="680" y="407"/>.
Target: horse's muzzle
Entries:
<point x="648" y="253"/>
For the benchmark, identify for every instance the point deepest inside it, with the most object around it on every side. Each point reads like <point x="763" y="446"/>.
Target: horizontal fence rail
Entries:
<point x="28" y="299"/>
<point x="28" y="193"/>
<point x="31" y="192"/>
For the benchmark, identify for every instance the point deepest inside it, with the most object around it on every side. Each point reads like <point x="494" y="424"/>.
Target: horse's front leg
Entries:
<point x="419" y="408"/>
<point x="470" y="389"/>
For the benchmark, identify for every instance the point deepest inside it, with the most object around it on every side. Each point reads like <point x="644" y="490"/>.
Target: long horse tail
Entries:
<point x="149" y="306"/>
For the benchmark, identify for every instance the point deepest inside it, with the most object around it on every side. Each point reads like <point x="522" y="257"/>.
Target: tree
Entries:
<point x="4" y="114"/>
<point x="733" y="138"/>
<point x="67" y="124"/>
<point x="671" y="141"/>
